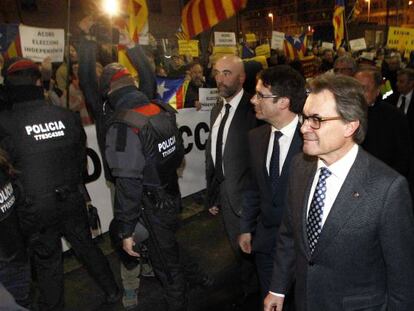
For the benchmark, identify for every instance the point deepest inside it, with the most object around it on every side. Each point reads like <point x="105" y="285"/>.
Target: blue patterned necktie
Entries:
<point x="274" y="160"/>
<point x="314" y="222"/>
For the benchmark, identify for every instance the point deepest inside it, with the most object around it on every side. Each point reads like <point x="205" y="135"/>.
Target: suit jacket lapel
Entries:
<point x="236" y="122"/>
<point x="347" y="201"/>
<point x="309" y="171"/>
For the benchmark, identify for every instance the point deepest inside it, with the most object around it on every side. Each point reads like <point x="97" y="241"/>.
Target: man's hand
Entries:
<point x="127" y="245"/>
<point x="245" y="242"/>
<point x="214" y="210"/>
<point x="273" y="303"/>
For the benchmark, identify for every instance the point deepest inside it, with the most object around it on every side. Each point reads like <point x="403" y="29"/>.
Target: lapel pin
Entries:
<point x="355" y="194"/>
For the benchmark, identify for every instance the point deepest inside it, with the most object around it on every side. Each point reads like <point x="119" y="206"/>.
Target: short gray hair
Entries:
<point x="349" y="98"/>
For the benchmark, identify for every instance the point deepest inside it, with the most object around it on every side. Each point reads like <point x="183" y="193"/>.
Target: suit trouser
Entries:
<point x="247" y="267"/>
<point x="46" y="256"/>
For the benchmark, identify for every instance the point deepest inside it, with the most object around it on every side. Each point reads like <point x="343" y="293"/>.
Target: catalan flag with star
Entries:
<point x="200" y="15"/>
<point x="295" y="46"/>
<point x="338" y="22"/>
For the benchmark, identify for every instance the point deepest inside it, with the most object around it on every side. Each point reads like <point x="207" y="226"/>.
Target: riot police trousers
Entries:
<point x="46" y="255"/>
<point x="165" y="257"/>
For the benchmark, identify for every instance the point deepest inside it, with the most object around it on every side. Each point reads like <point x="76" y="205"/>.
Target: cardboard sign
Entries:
<point x="260" y="59"/>
<point x="277" y="40"/>
<point x="219" y="51"/>
<point x="263" y="50"/>
<point x="188" y="47"/>
<point x="358" y="44"/>
<point x="208" y="98"/>
<point x="224" y="39"/>
<point x="399" y="38"/>
<point x="250" y="37"/>
<point x="39" y="43"/>
<point x="327" y="45"/>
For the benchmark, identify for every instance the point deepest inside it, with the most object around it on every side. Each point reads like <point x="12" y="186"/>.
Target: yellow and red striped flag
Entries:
<point x="338" y="22"/>
<point x="135" y="22"/>
<point x="200" y="15"/>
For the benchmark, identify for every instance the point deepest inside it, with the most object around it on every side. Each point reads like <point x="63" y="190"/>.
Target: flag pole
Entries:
<point x="346" y="28"/>
<point x="67" y="54"/>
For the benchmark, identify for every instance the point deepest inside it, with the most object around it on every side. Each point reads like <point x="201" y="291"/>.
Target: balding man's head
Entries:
<point x="229" y="75"/>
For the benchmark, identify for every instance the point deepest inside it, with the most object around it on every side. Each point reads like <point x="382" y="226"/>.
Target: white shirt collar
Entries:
<point x="341" y="168"/>
<point x="234" y="102"/>
<point x="289" y="129"/>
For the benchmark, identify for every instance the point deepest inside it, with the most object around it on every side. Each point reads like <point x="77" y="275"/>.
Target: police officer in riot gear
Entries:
<point x="49" y="152"/>
<point x="144" y="149"/>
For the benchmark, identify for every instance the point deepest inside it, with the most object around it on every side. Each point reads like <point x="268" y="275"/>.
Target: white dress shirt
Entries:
<point x="334" y="182"/>
<point x="234" y="103"/>
<point x="284" y="143"/>
<point x="407" y="101"/>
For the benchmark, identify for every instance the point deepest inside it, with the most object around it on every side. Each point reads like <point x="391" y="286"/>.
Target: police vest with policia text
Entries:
<point x="162" y="144"/>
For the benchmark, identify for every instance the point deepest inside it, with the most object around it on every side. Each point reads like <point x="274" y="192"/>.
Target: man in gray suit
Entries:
<point x="347" y="236"/>
<point x="227" y="155"/>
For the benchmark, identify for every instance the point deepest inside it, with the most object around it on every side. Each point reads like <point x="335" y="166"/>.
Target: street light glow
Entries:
<point x="270" y="15"/>
<point x="111" y="7"/>
<point x="410" y="2"/>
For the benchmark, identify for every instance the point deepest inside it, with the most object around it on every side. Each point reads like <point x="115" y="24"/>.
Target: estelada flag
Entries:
<point x="295" y="47"/>
<point x="200" y="15"/>
<point x="172" y="91"/>
<point x="338" y="22"/>
<point x="10" y="40"/>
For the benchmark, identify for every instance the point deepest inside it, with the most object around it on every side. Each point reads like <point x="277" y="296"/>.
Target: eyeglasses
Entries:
<point x="260" y="96"/>
<point x="315" y="121"/>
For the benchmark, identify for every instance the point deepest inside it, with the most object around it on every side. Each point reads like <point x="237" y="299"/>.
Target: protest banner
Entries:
<point x="39" y="43"/>
<point x="188" y="47"/>
<point x="219" y="51"/>
<point x="263" y="50"/>
<point x="207" y="98"/>
<point x="358" y="44"/>
<point x="250" y="37"/>
<point x="327" y="45"/>
<point x="224" y="38"/>
<point x="278" y="39"/>
<point x="399" y="38"/>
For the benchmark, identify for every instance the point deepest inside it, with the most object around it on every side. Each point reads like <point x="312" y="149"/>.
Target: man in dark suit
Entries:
<point x="280" y="95"/>
<point x="403" y="99"/>
<point x="347" y="236"/>
<point x="388" y="136"/>
<point x="227" y="155"/>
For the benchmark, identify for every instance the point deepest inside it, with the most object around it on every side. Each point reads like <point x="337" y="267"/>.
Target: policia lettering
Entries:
<point x="46" y="130"/>
<point x="167" y="146"/>
<point x="7" y="198"/>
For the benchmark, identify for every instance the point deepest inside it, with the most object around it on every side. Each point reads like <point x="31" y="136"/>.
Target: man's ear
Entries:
<point x="350" y="128"/>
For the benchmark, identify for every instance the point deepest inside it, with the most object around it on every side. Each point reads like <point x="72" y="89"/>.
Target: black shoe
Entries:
<point x="113" y="298"/>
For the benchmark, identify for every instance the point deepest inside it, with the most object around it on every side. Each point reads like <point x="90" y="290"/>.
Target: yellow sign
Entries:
<point x="400" y="38"/>
<point x="250" y="37"/>
<point x="188" y="47"/>
<point x="219" y="51"/>
<point x="263" y="49"/>
<point x="409" y="46"/>
<point x="260" y="59"/>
